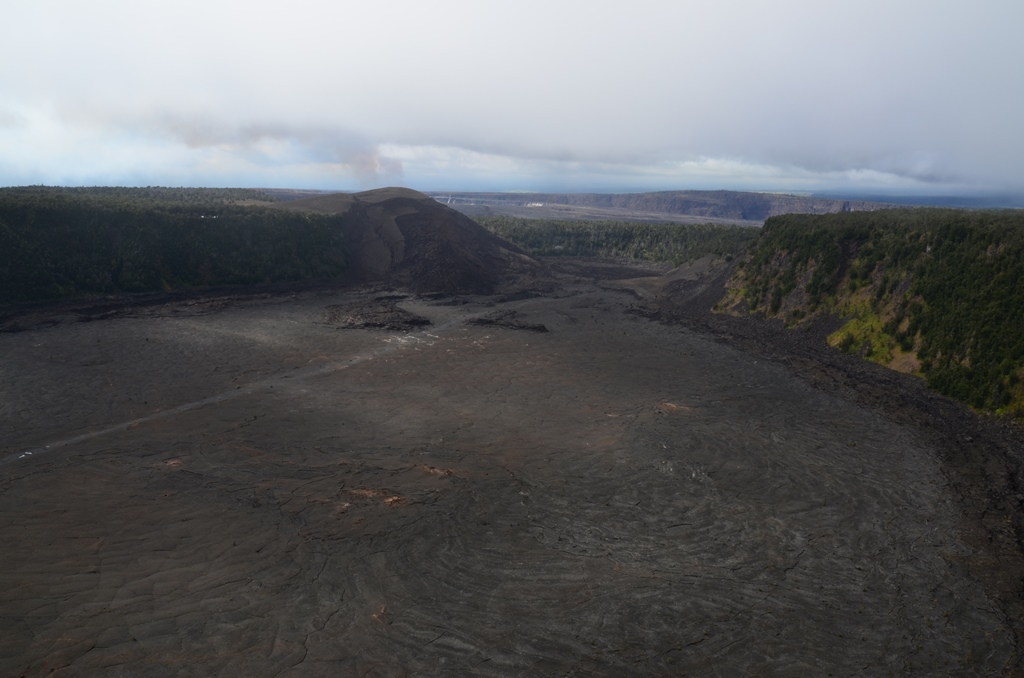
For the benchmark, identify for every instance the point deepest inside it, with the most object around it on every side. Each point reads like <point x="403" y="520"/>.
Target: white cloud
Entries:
<point x="336" y="94"/>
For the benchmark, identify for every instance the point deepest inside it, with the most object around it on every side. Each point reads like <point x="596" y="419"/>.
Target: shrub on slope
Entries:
<point x="931" y="291"/>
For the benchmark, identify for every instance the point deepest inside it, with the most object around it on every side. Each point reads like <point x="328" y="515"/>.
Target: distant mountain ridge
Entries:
<point x="724" y="206"/>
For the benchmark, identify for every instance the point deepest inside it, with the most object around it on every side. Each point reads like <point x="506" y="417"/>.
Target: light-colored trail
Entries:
<point x="388" y="345"/>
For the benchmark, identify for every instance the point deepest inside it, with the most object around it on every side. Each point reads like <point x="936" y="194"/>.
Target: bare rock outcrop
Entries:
<point x="381" y="313"/>
<point x="405" y="237"/>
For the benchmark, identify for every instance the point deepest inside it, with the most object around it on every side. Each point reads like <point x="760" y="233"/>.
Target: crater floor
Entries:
<point x="249" y="490"/>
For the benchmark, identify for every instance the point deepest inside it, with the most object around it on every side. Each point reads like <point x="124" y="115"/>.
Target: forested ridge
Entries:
<point x="936" y="292"/>
<point x="675" y="243"/>
<point x="67" y="242"/>
<point x="148" y="194"/>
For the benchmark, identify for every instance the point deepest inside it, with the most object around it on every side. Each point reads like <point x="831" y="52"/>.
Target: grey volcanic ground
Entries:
<point x="246" y="488"/>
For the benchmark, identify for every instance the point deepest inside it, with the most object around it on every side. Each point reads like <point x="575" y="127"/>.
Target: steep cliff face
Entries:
<point x="404" y="236"/>
<point x="930" y="292"/>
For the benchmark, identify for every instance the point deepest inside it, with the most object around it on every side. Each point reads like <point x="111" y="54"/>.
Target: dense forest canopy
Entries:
<point x="675" y="243"/>
<point x="934" y="291"/>
<point x="66" y="242"/>
<point x="147" y="194"/>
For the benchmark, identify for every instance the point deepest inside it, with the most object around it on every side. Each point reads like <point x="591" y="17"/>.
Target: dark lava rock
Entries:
<point x="381" y="313"/>
<point x="507" y="319"/>
<point x="409" y="239"/>
<point x="521" y="295"/>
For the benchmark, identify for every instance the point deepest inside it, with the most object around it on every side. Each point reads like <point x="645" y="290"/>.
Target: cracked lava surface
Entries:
<point x="251" y="491"/>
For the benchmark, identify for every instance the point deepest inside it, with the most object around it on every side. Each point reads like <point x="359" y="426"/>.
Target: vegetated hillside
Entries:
<point x="404" y="236"/>
<point x="156" y="194"/>
<point x="59" y="242"/>
<point x="676" y="243"/>
<point x="936" y="292"/>
<point x="730" y="205"/>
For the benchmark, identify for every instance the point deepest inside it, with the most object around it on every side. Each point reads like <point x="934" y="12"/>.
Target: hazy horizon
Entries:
<point x="873" y="98"/>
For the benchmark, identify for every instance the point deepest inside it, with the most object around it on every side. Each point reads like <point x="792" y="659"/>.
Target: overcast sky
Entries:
<point x="905" y="96"/>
